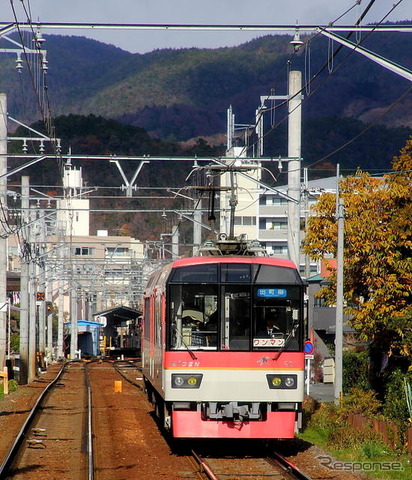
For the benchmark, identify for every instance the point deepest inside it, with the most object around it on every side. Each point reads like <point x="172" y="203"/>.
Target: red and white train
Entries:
<point x="222" y="347"/>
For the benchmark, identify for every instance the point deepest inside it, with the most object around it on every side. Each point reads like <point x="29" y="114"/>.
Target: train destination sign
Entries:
<point x="272" y="292"/>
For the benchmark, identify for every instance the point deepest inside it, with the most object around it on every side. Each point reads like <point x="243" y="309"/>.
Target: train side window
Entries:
<point x="146" y="320"/>
<point x="158" y="319"/>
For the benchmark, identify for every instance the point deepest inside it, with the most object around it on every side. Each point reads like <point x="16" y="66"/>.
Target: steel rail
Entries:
<point x="89" y="427"/>
<point x="204" y="468"/>
<point x="289" y="467"/>
<point x="26" y="426"/>
<point x="118" y="367"/>
<point x="276" y="459"/>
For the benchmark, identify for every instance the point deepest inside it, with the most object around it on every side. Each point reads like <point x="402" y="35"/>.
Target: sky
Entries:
<point x="227" y="12"/>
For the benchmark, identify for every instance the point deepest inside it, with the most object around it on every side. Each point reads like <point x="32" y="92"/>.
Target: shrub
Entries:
<point x="355" y="370"/>
<point x="359" y="401"/>
<point x="325" y="419"/>
<point x="349" y="437"/>
<point x="15" y="342"/>
<point x="309" y="407"/>
<point x="396" y="407"/>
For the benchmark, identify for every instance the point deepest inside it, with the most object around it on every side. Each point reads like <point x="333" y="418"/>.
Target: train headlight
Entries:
<point x="276" y="381"/>
<point x="287" y="382"/>
<point x="290" y="381"/>
<point x="186" y="380"/>
<point x="178" y="381"/>
<point x="192" y="381"/>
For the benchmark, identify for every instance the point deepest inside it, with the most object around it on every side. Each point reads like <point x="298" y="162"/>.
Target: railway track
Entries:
<point x="274" y="467"/>
<point x="52" y="437"/>
<point x="81" y="428"/>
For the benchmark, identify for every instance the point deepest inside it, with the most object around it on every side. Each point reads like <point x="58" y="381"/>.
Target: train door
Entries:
<point x="236" y="321"/>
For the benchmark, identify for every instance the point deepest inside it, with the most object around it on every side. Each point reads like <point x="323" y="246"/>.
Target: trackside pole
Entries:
<point x="5" y="376"/>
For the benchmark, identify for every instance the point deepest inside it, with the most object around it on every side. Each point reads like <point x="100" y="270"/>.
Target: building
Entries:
<point x="261" y="213"/>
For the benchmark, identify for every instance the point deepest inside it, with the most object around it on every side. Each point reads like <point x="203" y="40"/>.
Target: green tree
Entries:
<point x="377" y="253"/>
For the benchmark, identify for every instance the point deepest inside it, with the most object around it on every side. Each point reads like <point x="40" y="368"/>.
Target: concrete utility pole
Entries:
<point x="49" y="316"/>
<point x="24" y="286"/>
<point x="339" y="300"/>
<point x="3" y="243"/>
<point x="32" y="366"/>
<point x="294" y="151"/>
<point x="41" y="238"/>
<point x="73" y="320"/>
<point x="60" y="321"/>
<point x="197" y="225"/>
<point x="175" y="242"/>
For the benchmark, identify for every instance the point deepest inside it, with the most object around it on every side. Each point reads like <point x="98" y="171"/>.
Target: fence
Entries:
<point x="388" y="430"/>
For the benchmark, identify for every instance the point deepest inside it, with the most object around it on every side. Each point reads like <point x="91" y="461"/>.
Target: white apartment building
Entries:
<point x="263" y="214"/>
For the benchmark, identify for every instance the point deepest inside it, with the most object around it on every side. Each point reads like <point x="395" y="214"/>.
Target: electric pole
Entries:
<point x="24" y="284"/>
<point x="294" y="153"/>
<point x="3" y="243"/>
<point x="339" y="299"/>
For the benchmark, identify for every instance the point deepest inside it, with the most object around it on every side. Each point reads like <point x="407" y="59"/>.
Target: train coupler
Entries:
<point x="233" y="411"/>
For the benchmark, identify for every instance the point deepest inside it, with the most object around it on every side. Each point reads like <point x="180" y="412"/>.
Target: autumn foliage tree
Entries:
<point x="377" y="253"/>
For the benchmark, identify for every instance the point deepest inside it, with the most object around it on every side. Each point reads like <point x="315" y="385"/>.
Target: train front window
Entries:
<point x="235" y="273"/>
<point x="277" y="318"/>
<point x="193" y="319"/>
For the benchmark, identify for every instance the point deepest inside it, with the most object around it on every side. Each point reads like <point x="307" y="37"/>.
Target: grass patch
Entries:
<point x="13" y="385"/>
<point x="369" y="457"/>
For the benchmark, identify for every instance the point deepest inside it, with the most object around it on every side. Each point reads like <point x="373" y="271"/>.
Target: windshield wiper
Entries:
<point x="184" y="343"/>
<point x="287" y="341"/>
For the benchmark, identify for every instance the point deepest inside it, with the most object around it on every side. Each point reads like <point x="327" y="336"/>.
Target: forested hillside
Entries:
<point x="180" y="94"/>
<point x="91" y="135"/>
<point x="107" y="101"/>
<point x="96" y="136"/>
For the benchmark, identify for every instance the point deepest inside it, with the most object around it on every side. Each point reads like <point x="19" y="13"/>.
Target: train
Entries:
<point x="223" y="346"/>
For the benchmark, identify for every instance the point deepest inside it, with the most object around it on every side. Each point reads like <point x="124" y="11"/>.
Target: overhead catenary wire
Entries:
<point x="324" y="66"/>
<point x="38" y="79"/>
<point x="307" y="84"/>
<point x="37" y="75"/>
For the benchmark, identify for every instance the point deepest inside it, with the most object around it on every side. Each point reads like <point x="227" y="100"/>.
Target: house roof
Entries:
<point x="315" y="279"/>
<point x="119" y="314"/>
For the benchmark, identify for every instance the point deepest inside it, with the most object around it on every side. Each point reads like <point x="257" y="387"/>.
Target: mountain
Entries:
<point x="181" y="94"/>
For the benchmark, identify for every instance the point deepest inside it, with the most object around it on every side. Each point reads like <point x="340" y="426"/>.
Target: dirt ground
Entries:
<point x="144" y="453"/>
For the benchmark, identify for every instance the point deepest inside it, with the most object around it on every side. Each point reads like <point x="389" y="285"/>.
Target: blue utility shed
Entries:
<point x="88" y="337"/>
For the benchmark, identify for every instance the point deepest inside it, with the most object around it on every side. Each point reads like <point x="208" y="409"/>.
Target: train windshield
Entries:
<point x="240" y="310"/>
